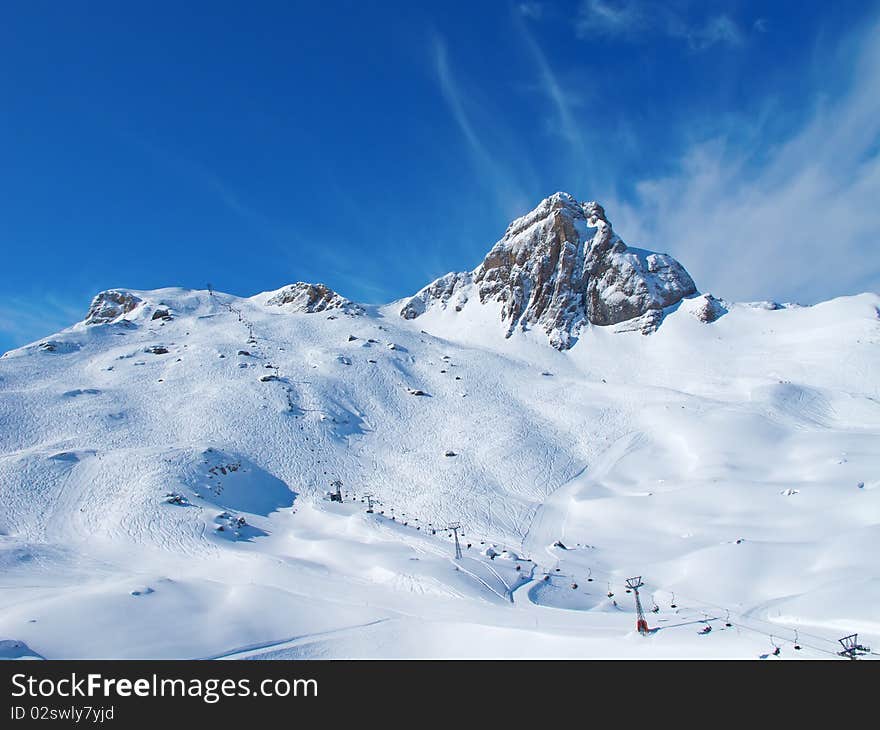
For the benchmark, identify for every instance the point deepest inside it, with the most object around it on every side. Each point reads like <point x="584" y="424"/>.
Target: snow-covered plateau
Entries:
<point x="573" y="406"/>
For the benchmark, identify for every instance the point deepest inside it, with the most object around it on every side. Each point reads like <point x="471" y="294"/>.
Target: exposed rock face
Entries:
<point x="646" y="323"/>
<point x="452" y="287"/>
<point x="111" y="305"/>
<point x="559" y="267"/>
<point x="56" y="346"/>
<point x="304" y="297"/>
<point x="707" y="308"/>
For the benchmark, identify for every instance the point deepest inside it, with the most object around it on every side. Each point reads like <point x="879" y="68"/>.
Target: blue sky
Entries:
<point x="375" y="147"/>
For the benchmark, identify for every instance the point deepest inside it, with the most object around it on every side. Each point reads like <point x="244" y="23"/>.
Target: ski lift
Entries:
<point x="654" y="608"/>
<point x="574" y="586"/>
<point x="851" y="647"/>
<point x="610" y="592"/>
<point x="776" y="649"/>
<point x="727" y="620"/>
<point x="707" y="629"/>
<point x="589" y="575"/>
<point x="672" y="604"/>
<point x="796" y="643"/>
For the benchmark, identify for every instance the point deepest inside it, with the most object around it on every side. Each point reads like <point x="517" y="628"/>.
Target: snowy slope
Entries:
<point x="734" y="464"/>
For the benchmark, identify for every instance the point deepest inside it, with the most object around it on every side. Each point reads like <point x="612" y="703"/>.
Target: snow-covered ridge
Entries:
<point x="561" y="267"/>
<point x="164" y="465"/>
<point x="310" y="298"/>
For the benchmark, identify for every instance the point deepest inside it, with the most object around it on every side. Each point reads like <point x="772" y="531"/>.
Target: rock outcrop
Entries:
<point x="707" y="308"/>
<point x="304" y="297"/>
<point x="450" y="288"/>
<point x="559" y="267"/>
<point x="111" y="305"/>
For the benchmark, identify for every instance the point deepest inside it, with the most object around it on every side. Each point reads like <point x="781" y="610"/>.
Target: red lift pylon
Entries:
<point x="641" y="622"/>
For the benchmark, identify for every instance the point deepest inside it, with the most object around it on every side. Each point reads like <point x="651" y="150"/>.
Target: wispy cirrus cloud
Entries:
<point x="564" y="121"/>
<point x="550" y="85"/>
<point x="531" y="9"/>
<point x="633" y="20"/>
<point x="23" y="319"/>
<point x="454" y="99"/>
<point x="508" y="192"/>
<point x="296" y="254"/>
<point x="793" y="218"/>
<point x="205" y="178"/>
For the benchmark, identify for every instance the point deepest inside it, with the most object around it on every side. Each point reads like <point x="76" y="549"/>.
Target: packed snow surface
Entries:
<point x="165" y="470"/>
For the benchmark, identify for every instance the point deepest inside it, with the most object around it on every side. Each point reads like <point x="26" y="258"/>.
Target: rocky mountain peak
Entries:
<point x="559" y="267"/>
<point x="309" y="298"/>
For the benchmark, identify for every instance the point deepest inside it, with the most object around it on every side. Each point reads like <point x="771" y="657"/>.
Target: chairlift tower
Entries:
<point x="455" y="527"/>
<point x="641" y="622"/>
<point x="336" y="496"/>
<point x="369" y="498"/>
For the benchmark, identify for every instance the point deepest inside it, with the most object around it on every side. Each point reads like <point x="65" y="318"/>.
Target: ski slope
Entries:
<point x="734" y="465"/>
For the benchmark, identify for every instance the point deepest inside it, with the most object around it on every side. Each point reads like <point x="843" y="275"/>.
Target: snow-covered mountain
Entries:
<point x="574" y="404"/>
<point x="560" y="267"/>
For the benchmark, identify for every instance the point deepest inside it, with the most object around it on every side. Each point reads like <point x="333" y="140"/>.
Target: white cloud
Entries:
<point x="559" y="97"/>
<point x="509" y="194"/>
<point x="24" y="319"/>
<point x="453" y="98"/>
<point x="532" y="10"/>
<point x="796" y="220"/>
<point x="636" y="19"/>
<point x="717" y="30"/>
<point x="621" y="17"/>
